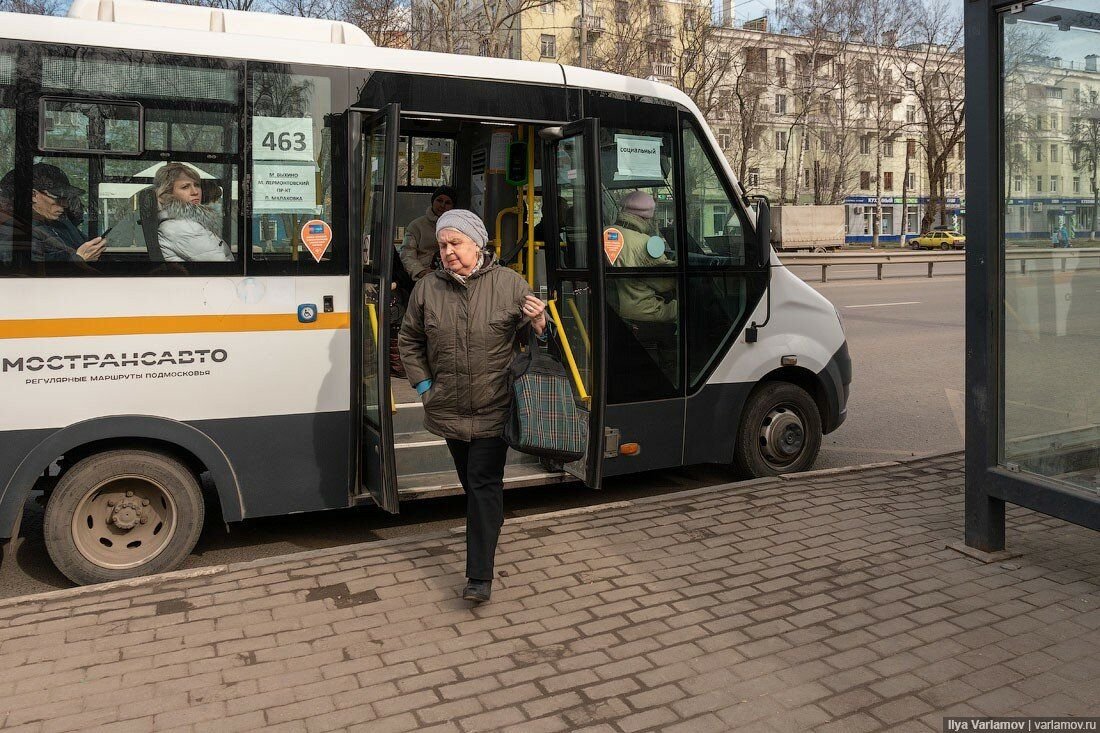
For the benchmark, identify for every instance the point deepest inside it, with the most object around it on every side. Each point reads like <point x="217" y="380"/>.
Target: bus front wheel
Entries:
<point x="780" y="431"/>
<point x="122" y="514"/>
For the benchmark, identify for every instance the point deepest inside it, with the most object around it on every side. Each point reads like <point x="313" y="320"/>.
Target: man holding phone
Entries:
<point x="54" y="236"/>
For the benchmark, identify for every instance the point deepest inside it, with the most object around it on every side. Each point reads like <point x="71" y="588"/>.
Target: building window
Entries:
<point x="1054" y="184"/>
<point x="754" y="177"/>
<point x="1038" y="153"/>
<point x="911" y="181"/>
<point x="910" y="148"/>
<point x="910" y="113"/>
<point x="962" y="180"/>
<point x="547" y="8"/>
<point x="1039" y="184"/>
<point x="1053" y="153"/>
<point x="622" y="11"/>
<point x="888" y="181"/>
<point x="1054" y="122"/>
<point x="888" y="149"/>
<point x="780" y="178"/>
<point x="780" y="140"/>
<point x="1017" y="183"/>
<point x="865" y="180"/>
<point x="864" y="144"/>
<point x="806" y="177"/>
<point x="781" y="104"/>
<point x="949" y="181"/>
<point x="1077" y="184"/>
<point x="961" y="148"/>
<point x="548" y="46"/>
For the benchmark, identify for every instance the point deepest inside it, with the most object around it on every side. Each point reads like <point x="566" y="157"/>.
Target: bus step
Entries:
<point x="421" y="452"/>
<point x="445" y="483"/>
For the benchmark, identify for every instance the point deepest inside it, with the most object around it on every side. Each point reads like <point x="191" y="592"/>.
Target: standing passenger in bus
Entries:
<point x="186" y="226"/>
<point x="419" y="248"/>
<point x="457" y="341"/>
<point x="648" y="305"/>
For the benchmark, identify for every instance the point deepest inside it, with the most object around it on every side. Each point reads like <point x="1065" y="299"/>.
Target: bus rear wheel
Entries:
<point x="122" y="514"/>
<point x="780" y="431"/>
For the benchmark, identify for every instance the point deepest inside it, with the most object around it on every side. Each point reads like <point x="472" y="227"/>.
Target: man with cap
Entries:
<point x="54" y="237"/>
<point x="419" y="247"/>
<point x="457" y="341"/>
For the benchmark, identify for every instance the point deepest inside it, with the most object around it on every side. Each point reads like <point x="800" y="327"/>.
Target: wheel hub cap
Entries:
<point x="124" y="522"/>
<point x="782" y="435"/>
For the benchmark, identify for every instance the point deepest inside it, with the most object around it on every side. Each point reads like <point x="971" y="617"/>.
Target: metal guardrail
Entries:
<point x="881" y="259"/>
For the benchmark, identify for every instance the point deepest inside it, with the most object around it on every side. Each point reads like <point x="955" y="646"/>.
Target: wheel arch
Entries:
<point x="185" y="442"/>
<point x="807" y="380"/>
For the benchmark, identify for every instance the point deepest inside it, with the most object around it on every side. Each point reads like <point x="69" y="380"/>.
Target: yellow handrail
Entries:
<point x="568" y="352"/>
<point x="500" y="222"/>
<point x="580" y="325"/>
<point x="373" y="313"/>
<point x="531" y="207"/>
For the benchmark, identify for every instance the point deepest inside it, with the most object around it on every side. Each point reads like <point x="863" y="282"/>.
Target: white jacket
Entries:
<point x="185" y="235"/>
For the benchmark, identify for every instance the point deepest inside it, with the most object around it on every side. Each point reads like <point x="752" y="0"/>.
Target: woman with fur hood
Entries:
<point x="187" y="225"/>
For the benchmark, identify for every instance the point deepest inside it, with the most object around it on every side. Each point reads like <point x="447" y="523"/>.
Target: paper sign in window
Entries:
<point x="638" y="157"/>
<point x="287" y="187"/>
<point x="429" y="165"/>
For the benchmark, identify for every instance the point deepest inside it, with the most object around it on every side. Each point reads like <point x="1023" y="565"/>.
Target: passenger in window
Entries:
<point x="419" y="249"/>
<point x="648" y="305"/>
<point x="54" y="237"/>
<point x="187" y="224"/>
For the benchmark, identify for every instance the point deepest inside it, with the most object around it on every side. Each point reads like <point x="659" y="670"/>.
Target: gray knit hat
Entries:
<point x="465" y="221"/>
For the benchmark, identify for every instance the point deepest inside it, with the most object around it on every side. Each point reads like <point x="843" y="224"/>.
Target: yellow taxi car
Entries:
<point x="939" y="239"/>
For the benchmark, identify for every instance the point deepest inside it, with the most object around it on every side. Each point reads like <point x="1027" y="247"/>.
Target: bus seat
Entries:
<point x="147" y="213"/>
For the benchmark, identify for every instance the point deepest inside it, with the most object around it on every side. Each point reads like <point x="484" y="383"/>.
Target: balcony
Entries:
<point x="663" y="69"/>
<point x="594" y="23"/>
<point x="660" y="33"/>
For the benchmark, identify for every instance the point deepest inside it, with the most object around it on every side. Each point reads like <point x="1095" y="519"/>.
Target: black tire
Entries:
<point x="945" y="245"/>
<point x="151" y="527"/>
<point x="798" y="432"/>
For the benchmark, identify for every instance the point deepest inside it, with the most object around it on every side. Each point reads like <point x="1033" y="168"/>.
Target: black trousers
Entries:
<point x="480" y="466"/>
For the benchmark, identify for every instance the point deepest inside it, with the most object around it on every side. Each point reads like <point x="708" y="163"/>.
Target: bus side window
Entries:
<point x="292" y="223"/>
<point x="8" y="227"/>
<point x="717" y="296"/>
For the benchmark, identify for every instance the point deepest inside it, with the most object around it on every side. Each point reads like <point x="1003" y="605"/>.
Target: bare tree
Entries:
<point x="816" y="34"/>
<point x="934" y="73"/>
<point x="705" y="58"/>
<point x="387" y="22"/>
<point x="33" y="7"/>
<point x="220" y="4"/>
<point x="1085" y="147"/>
<point x="482" y="27"/>
<point x="621" y="41"/>
<point x="742" y="99"/>
<point x="878" y="76"/>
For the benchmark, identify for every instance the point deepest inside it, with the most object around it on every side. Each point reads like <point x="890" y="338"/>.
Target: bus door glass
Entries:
<point x="571" y="205"/>
<point x="374" y="185"/>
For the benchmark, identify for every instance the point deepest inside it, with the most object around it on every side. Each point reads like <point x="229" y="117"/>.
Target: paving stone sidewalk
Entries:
<point x="828" y="602"/>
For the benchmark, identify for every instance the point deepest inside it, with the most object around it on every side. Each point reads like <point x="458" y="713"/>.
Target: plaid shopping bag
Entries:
<point x="544" y="419"/>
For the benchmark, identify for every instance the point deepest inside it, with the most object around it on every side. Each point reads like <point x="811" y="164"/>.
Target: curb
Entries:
<point x="444" y="535"/>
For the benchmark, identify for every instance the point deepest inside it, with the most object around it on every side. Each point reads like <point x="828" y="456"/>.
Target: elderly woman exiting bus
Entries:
<point x="457" y="341"/>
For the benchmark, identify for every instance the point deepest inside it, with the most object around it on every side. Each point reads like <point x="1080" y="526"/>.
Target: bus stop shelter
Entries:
<point x="1033" y="263"/>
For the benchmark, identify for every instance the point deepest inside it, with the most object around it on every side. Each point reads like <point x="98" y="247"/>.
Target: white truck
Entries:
<point x="814" y="228"/>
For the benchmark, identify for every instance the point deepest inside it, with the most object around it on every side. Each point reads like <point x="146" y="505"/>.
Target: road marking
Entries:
<point x="882" y="305"/>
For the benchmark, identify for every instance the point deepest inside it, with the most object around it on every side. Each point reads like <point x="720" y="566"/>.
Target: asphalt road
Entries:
<point x="906" y="339"/>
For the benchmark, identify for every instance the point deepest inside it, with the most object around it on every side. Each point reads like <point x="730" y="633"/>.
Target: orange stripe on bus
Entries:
<point x="141" y="325"/>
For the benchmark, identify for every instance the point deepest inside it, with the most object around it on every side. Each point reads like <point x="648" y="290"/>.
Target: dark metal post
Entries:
<point x="985" y="515"/>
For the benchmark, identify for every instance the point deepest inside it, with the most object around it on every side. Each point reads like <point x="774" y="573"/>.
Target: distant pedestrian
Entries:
<point x="457" y="341"/>
<point x="1063" y="236"/>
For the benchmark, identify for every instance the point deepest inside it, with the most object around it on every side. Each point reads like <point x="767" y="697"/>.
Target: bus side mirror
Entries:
<point x="763" y="230"/>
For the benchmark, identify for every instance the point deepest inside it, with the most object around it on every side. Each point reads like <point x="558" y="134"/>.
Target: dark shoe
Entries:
<point x="478" y="591"/>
